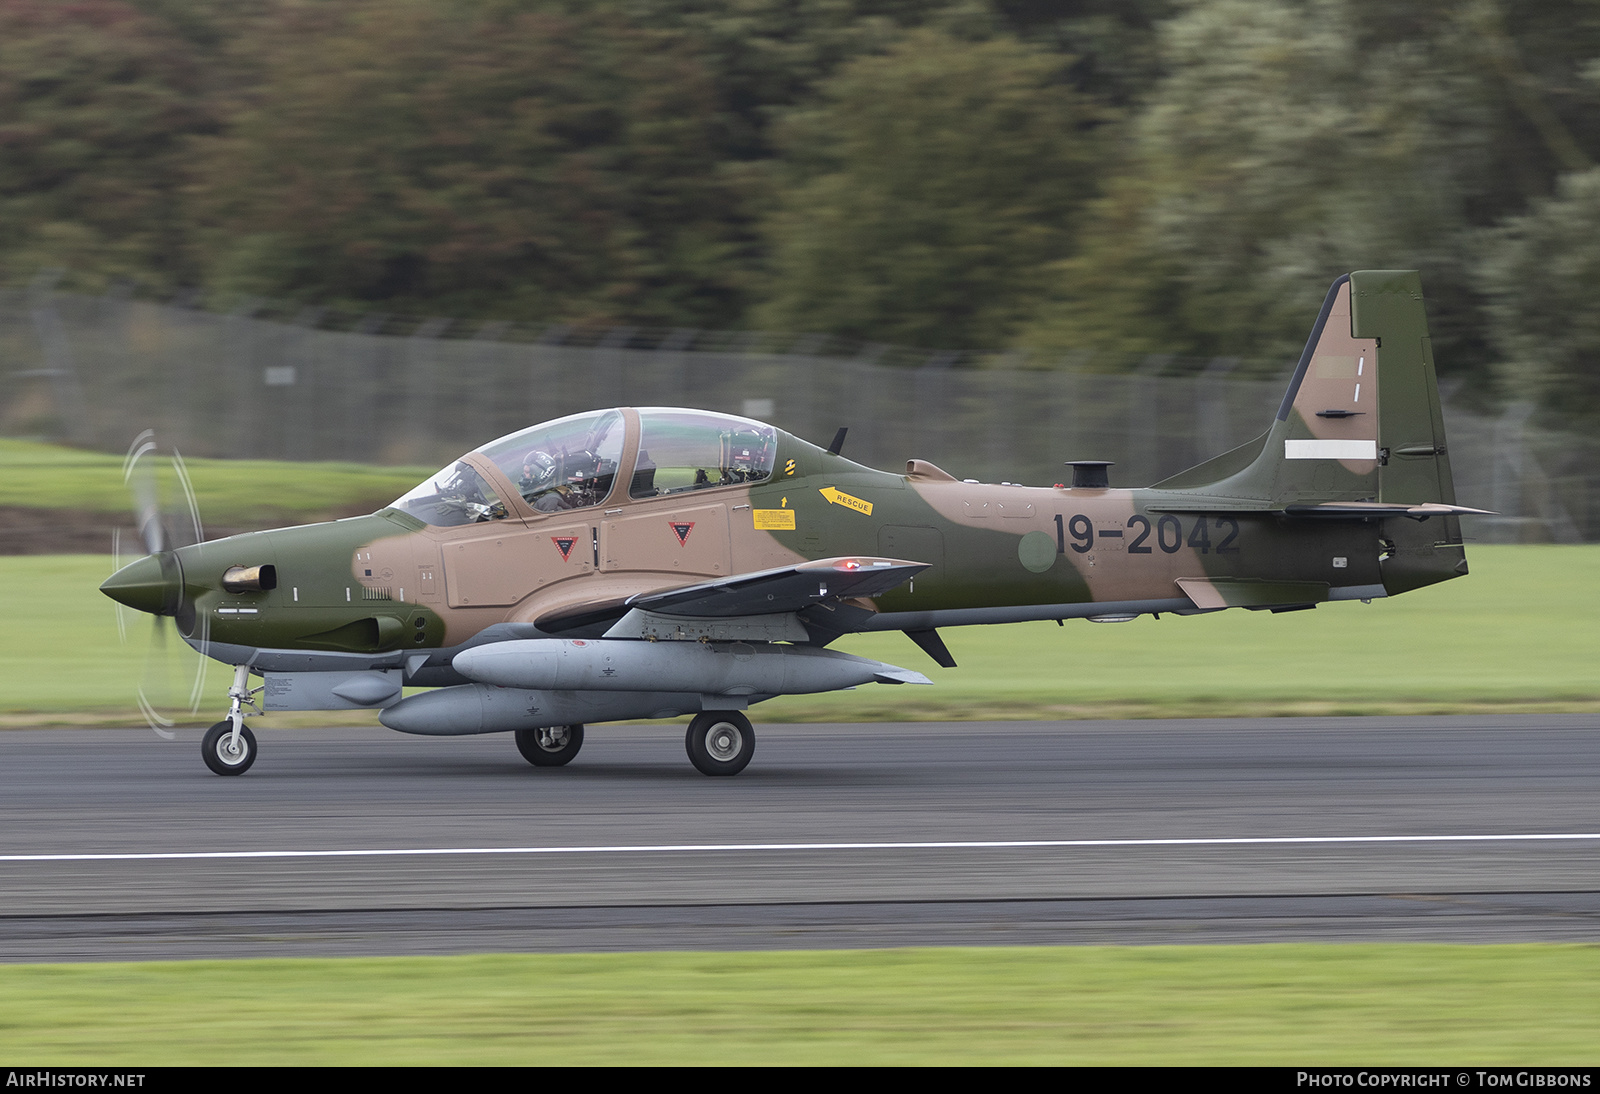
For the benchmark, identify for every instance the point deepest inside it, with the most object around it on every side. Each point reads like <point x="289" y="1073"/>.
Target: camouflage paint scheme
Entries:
<point x="1347" y="495"/>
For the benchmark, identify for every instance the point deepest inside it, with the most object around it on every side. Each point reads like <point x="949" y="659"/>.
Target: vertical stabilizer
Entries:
<point x="1360" y="423"/>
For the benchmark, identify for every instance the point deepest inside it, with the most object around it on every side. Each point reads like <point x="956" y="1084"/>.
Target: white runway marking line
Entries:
<point x="702" y="848"/>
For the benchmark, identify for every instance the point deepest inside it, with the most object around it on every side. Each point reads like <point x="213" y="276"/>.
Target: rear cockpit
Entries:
<point x="682" y="450"/>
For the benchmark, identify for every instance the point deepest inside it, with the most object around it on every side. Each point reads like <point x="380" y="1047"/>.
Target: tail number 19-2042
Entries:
<point x="1078" y="533"/>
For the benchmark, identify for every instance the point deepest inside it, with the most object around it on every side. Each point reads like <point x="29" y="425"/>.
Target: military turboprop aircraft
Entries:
<point x="654" y="562"/>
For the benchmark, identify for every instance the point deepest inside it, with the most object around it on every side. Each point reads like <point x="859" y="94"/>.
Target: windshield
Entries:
<point x="569" y="463"/>
<point x="456" y="495"/>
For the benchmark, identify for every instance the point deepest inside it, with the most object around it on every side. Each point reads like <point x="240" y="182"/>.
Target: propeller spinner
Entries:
<point x="154" y="584"/>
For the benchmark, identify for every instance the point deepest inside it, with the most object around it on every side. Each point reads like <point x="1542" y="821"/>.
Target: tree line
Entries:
<point x="1114" y="176"/>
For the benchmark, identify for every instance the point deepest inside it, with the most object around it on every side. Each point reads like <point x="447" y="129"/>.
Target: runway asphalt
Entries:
<point x="675" y="860"/>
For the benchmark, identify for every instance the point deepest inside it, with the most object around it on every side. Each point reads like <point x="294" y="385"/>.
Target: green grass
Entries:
<point x="1520" y="629"/>
<point x="1301" y="1005"/>
<point x="1518" y="633"/>
<point x="252" y="493"/>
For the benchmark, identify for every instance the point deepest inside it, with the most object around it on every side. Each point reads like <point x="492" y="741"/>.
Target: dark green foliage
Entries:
<point x="927" y="191"/>
<point x="1542" y="274"/>
<point x="521" y="164"/>
<point x="96" y="101"/>
<point x="1134" y="176"/>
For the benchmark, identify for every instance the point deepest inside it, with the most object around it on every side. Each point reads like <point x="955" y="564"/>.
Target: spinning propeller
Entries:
<point x="154" y="583"/>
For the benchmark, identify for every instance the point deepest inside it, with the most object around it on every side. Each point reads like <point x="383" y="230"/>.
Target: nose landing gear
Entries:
<point x="228" y="747"/>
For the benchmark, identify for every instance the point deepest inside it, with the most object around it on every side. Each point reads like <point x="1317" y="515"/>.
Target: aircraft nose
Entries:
<point x="153" y="584"/>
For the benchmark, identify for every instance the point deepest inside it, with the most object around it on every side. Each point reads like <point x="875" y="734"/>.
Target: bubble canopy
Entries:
<point x="573" y="462"/>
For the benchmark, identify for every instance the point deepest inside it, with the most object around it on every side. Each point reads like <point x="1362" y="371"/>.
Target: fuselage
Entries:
<point x="393" y="584"/>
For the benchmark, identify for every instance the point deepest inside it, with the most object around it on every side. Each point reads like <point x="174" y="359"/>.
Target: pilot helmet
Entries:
<point x="538" y="469"/>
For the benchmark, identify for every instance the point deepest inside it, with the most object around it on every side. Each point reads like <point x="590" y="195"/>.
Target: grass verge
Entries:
<point x="246" y="493"/>
<point x="1299" y="1004"/>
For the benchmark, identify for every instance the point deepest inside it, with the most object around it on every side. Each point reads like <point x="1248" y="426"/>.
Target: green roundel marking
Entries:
<point x="1037" y="551"/>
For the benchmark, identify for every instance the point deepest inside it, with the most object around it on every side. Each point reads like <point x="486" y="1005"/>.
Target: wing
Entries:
<point x="754" y="606"/>
<point x="786" y="589"/>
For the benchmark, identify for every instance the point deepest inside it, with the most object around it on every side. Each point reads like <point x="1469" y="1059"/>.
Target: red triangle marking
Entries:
<point x="564" y="545"/>
<point x="682" y="528"/>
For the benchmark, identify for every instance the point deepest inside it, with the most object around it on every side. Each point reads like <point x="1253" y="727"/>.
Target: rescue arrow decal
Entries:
<point x="839" y="497"/>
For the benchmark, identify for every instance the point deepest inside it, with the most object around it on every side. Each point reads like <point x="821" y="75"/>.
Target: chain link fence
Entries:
<point x="95" y="370"/>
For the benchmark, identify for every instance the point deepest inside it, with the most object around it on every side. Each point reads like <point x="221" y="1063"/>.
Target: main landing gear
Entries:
<point x="229" y="748"/>
<point x="552" y="746"/>
<point x="720" y="742"/>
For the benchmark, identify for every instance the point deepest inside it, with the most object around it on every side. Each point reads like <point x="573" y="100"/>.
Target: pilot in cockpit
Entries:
<point x="574" y="481"/>
<point x="539" y="486"/>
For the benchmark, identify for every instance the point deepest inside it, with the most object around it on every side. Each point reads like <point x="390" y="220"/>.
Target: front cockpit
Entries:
<point x="578" y="462"/>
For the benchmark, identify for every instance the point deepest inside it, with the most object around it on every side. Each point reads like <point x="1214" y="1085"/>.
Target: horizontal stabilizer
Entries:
<point x="785" y="589"/>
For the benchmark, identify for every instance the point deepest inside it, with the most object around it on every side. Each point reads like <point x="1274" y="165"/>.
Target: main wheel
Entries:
<point x="720" y="742"/>
<point x="552" y="746"/>
<point x="219" y="753"/>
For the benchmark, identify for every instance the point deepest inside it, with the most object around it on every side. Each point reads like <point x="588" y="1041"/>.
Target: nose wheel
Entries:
<point x="551" y="746"/>
<point x="720" y="742"/>
<point x="227" y="753"/>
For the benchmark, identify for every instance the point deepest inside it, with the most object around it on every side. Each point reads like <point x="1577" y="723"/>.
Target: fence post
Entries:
<point x="1510" y="462"/>
<point x="66" y="391"/>
<point x="1144" y="421"/>
<point x="420" y="371"/>
<point x="1214" y="437"/>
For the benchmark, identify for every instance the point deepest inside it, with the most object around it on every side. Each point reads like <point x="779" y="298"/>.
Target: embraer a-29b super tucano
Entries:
<point x="653" y="563"/>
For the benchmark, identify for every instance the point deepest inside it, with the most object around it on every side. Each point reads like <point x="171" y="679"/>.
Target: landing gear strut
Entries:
<point x="720" y="742"/>
<point x="552" y="746"/>
<point x="229" y="748"/>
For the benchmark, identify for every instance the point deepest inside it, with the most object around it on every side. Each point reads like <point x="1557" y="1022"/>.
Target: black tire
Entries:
<point x="720" y="742"/>
<point x="550" y="747"/>
<point x="214" y="749"/>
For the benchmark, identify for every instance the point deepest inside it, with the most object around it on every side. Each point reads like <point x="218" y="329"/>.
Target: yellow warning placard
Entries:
<point x="774" y="520"/>
<point x="839" y="497"/>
